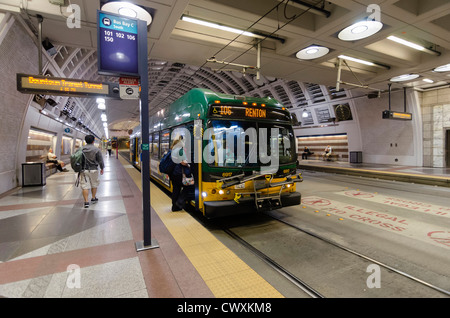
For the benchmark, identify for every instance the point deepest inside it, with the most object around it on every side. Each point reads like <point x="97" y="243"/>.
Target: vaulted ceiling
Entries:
<point x="181" y="53"/>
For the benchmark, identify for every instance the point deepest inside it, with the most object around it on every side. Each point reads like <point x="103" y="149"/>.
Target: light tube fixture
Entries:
<point x="219" y="26"/>
<point x="412" y="45"/>
<point x="360" y="61"/>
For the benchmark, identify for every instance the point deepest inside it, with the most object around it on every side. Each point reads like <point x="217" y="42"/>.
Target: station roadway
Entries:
<point x="404" y="226"/>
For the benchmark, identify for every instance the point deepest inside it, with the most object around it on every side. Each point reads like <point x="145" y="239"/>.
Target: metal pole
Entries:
<point x="148" y="242"/>
<point x="338" y="82"/>
<point x="389" y="96"/>
<point x="40" y="19"/>
<point x="258" y="61"/>
<point x="404" y="99"/>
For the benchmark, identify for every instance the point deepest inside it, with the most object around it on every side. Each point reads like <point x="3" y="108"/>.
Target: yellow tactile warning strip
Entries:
<point x="225" y="274"/>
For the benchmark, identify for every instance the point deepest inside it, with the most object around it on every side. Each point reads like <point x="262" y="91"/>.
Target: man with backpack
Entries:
<point x="89" y="174"/>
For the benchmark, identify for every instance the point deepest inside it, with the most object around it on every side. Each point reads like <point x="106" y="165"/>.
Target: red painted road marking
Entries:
<point x="316" y="201"/>
<point x="401" y="203"/>
<point x="440" y="237"/>
<point x="359" y="194"/>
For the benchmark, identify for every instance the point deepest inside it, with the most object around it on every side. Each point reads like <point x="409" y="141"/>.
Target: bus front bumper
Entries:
<point x="214" y="209"/>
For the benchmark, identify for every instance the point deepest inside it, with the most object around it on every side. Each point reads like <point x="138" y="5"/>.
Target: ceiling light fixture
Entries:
<point x="312" y="52"/>
<point x="405" y="77"/>
<point x="360" y="30"/>
<point x="443" y="68"/>
<point x="349" y="58"/>
<point x="128" y="12"/>
<point x="219" y="26"/>
<point x="360" y="61"/>
<point x="127" y="9"/>
<point x="428" y="80"/>
<point x="412" y="45"/>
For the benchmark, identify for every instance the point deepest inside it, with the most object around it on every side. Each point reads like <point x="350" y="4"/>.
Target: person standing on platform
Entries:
<point x="89" y="177"/>
<point x="180" y="193"/>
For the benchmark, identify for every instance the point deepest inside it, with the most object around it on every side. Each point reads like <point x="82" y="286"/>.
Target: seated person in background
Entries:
<point x="327" y="153"/>
<point x="51" y="157"/>
<point x="306" y="153"/>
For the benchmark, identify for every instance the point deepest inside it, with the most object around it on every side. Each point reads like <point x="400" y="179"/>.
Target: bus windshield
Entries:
<point x="235" y="143"/>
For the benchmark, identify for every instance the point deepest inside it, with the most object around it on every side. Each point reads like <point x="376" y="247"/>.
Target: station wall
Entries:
<point x="18" y="54"/>
<point x="381" y="141"/>
<point x="19" y="114"/>
<point x="436" y="121"/>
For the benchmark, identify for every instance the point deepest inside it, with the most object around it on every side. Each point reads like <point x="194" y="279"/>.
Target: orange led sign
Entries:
<point x="255" y="113"/>
<point x="39" y="84"/>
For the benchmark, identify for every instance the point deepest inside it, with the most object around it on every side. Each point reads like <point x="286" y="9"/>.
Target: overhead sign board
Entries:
<point x="117" y="45"/>
<point x="387" y="114"/>
<point x="59" y="86"/>
<point x="129" y="88"/>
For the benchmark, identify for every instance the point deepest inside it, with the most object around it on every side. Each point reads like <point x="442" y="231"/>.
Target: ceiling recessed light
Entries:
<point x="428" y="80"/>
<point x="443" y="68"/>
<point x="405" y="77"/>
<point x="128" y="10"/>
<point x="360" y="30"/>
<point x="312" y="52"/>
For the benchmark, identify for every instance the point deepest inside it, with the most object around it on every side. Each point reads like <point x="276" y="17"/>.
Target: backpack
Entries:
<point x="77" y="160"/>
<point x="167" y="165"/>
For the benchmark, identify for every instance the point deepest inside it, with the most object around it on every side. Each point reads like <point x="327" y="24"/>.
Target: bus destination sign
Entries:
<point x="241" y="112"/>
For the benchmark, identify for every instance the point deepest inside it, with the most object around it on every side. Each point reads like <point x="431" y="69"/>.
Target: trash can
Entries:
<point x="355" y="156"/>
<point x="33" y="174"/>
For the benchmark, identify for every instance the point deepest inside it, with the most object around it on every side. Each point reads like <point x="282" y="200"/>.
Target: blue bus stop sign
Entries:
<point x="117" y="46"/>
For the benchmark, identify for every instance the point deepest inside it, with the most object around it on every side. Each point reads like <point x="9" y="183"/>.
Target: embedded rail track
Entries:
<point x="306" y="287"/>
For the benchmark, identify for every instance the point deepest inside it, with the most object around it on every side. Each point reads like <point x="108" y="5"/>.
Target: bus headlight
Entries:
<point x="204" y="194"/>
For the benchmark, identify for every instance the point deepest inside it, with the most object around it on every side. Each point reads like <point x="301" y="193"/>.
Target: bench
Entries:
<point x="50" y="167"/>
<point x="317" y="144"/>
<point x="319" y="156"/>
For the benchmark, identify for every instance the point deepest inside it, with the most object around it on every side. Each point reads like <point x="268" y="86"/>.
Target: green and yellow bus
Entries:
<point x="242" y="151"/>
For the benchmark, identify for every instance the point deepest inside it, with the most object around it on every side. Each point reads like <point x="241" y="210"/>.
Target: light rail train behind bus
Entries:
<point x="242" y="151"/>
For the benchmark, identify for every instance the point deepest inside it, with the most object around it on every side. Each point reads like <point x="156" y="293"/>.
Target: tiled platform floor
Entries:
<point x="50" y="246"/>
